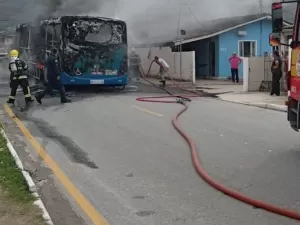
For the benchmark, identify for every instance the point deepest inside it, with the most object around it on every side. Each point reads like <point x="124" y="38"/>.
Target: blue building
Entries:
<point x="215" y="42"/>
<point x="246" y="35"/>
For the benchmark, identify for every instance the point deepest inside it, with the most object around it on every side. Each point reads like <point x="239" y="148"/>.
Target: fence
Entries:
<point x="258" y="76"/>
<point x="34" y="71"/>
<point x="267" y="81"/>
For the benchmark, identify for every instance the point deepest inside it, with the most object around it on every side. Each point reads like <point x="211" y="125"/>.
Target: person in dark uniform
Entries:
<point x="134" y="64"/>
<point x="53" y="77"/>
<point x="18" y="76"/>
<point x="276" y="70"/>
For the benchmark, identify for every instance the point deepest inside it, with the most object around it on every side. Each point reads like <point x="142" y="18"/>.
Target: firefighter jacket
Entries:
<point x="18" y="69"/>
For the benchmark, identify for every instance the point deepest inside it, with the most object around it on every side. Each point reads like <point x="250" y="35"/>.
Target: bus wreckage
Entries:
<point x="92" y="50"/>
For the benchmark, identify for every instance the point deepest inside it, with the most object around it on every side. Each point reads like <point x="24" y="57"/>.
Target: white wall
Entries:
<point x="173" y="59"/>
<point x="254" y="73"/>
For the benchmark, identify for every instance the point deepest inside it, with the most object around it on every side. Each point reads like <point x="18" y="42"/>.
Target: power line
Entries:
<point x="194" y="16"/>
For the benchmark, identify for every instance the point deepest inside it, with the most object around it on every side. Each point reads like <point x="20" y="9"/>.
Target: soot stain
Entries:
<point x="76" y="154"/>
<point x="144" y="213"/>
<point x="129" y="175"/>
<point x="139" y="197"/>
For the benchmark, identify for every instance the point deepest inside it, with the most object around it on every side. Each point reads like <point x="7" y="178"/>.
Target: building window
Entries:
<point x="247" y="48"/>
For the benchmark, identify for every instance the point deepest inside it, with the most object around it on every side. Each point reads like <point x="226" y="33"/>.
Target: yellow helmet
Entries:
<point x="14" y="53"/>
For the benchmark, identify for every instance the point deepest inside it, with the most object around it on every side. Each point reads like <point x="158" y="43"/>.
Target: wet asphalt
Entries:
<point x="135" y="169"/>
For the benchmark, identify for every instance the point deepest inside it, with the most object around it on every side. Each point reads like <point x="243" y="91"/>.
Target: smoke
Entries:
<point x="145" y="18"/>
<point x="149" y="18"/>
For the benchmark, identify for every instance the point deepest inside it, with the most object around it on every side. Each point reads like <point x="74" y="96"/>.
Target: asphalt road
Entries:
<point x="126" y="158"/>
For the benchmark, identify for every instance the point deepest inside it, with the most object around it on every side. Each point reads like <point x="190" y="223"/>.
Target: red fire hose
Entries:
<point x="195" y="158"/>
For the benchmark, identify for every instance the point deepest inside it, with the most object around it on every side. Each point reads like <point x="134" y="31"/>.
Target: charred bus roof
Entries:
<point x="23" y="26"/>
<point x="59" y="20"/>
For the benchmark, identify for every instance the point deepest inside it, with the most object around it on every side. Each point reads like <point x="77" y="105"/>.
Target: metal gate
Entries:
<point x="34" y="71"/>
<point x="266" y="84"/>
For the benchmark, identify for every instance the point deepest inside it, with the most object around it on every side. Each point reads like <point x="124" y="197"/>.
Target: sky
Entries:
<point x="152" y="16"/>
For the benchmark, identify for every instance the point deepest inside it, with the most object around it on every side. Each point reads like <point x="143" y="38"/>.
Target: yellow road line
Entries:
<point x="85" y="205"/>
<point x="147" y="111"/>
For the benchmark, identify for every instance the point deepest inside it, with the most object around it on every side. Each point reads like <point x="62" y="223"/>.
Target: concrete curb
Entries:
<point x="275" y="107"/>
<point x="31" y="185"/>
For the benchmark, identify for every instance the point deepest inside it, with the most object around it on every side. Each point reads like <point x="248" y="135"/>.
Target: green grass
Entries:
<point x="16" y="202"/>
<point x="12" y="181"/>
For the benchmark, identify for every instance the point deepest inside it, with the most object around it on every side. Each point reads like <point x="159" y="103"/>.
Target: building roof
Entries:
<point x="228" y="25"/>
<point x="9" y="32"/>
<point x="210" y="29"/>
<point x="288" y="27"/>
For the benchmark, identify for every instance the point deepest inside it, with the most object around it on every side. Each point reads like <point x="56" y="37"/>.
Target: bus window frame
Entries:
<point x="56" y="39"/>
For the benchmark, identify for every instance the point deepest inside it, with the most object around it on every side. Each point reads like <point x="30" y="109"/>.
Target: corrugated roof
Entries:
<point x="210" y="28"/>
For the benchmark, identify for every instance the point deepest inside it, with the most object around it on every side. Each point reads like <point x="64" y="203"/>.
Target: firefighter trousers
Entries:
<point x="14" y="84"/>
<point x="54" y="84"/>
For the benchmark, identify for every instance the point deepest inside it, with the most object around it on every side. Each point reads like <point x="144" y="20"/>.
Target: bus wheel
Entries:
<point x="122" y="87"/>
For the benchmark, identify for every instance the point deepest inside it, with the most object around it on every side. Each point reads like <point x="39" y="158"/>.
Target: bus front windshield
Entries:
<point x="94" y="46"/>
<point x="94" y="31"/>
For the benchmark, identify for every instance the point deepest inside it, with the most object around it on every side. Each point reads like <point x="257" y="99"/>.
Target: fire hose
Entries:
<point x="195" y="157"/>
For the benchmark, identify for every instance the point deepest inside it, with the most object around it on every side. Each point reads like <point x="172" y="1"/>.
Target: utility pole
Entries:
<point x="182" y="33"/>
<point x="261" y="6"/>
<point x="178" y="30"/>
<point x="261" y="24"/>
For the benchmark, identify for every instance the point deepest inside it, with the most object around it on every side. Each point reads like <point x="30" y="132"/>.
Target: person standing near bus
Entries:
<point x="18" y="76"/>
<point x="53" y="77"/>
<point x="163" y="69"/>
<point x="276" y="70"/>
<point x="235" y="61"/>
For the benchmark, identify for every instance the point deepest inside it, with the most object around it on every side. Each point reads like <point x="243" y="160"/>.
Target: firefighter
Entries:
<point x="18" y="76"/>
<point x="53" y="77"/>
<point x="134" y="64"/>
<point x="163" y="69"/>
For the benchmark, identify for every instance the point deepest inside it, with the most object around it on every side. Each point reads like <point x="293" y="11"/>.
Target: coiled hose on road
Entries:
<point x="195" y="157"/>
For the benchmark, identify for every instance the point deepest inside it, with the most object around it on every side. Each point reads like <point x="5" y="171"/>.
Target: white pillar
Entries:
<point x="194" y="68"/>
<point x="246" y="74"/>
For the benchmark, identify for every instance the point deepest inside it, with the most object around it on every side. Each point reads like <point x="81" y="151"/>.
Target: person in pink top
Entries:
<point x="235" y="61"/>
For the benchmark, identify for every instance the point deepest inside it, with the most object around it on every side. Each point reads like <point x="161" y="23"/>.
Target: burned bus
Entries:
<point x="92" y="50"/>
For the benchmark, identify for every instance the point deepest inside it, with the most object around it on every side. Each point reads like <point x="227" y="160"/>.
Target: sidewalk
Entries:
<point x="257" y="99"/>
<point x="227" y="91"/>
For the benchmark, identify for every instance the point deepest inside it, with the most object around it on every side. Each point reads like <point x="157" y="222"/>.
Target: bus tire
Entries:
<point x="123" y="88"/>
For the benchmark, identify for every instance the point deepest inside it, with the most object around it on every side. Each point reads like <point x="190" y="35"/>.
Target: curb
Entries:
<point x="31" y="185"/>
<point x="280" y="108"/>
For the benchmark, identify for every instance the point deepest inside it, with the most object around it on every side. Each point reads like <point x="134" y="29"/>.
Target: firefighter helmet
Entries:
<point x="14" y="53"/>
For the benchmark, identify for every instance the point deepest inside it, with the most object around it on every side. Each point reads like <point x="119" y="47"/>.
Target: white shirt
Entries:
<point x="163" y="63"/>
